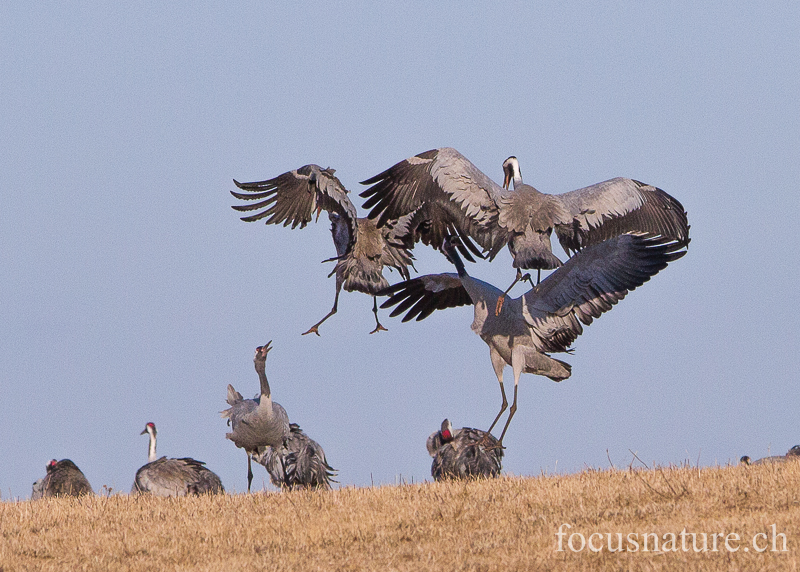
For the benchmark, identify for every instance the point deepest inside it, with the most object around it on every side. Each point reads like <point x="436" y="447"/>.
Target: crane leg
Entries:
<point x="502" y="408"/>
<point x="518" y="363"/>
<point x="315" y="327"/>
<point x="249" y="472"/>
<point x="498" y="363"/>
<point x="510" y="415"/>
<point x="502" y="298"/>
<point x="378" y="326"/>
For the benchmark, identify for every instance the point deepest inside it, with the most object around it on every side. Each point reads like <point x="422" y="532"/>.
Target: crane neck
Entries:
<point x="266" y="395"/>
<point x="151" y="449"/>
<point x="452" y="254"/>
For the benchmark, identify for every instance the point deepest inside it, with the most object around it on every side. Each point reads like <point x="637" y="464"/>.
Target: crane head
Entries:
<point x="262" y="351"/>
<point x="447" y="431"/>
<point x="511" y="171"/>
<point x="449" y="245"/>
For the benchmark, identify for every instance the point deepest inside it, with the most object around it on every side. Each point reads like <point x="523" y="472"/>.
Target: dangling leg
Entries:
<point x="502" y="298"/>
<point x="498" y="363"/>
<point x="378" y="326"/>
<point x="315" y="327"/>
<point x="249" y="473"/>
<point x="518" y="363"/>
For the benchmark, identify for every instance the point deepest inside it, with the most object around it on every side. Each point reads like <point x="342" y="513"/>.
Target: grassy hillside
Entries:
<point x="505" y="524"/>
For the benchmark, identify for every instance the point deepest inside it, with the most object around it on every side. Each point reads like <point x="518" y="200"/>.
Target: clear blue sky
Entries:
<point x="131" y="292"/>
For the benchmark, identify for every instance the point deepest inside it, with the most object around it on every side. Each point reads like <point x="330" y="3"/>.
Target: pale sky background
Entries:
<point x="131" y="292"/>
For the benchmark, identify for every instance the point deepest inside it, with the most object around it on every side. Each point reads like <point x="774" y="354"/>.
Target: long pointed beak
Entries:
<point x="143" y="432"/>
<point x="507" y="179"/>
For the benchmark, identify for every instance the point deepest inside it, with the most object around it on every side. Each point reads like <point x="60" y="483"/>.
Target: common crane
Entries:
<point x="258" y="422"/>
<point x="792" y="455"/>
<point x="463" y="453"/>
<point x="163" y="477"/>
<point x="548" y="317"/>
<point x="63" y="479"/>
<point x="442" y="189"/>
<point x="298" y="464"/>
<point x="362" y="249"/>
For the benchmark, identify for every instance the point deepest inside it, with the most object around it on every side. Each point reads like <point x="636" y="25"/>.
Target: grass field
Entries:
<point x="509" y="523"/>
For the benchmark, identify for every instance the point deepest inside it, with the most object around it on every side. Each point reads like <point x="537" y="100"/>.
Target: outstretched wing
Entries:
<point x="422" y="295"/>
<point x="465" y="198"/>
<point x="293" y="197"/>
<point x="617" y="206"/>
<point x="591" y="282"/>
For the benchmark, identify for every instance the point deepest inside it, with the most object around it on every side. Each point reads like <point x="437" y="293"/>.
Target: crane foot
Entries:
<point x="312" y="329"/>
<point x="379" y="328"/>
<point x="486" y="444"/>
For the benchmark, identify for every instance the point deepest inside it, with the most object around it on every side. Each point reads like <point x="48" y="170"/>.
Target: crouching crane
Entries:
<point x="463" y="453"/>
<point x="300" y="463"/>
<point x="63" y="479"/>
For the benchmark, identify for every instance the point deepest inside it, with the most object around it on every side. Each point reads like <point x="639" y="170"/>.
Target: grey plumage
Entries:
<point x="258" y="422"/>
<point x="792" y="455"/>
<point x="453" y="193"/>
<point x="362" y="249"/>
<point x="63" y="479"/>
<point x="38" y="489"/>
<point x="165" y="477"/>
<point x="548" y="317"/>
<point x="298" y="464"/>
<point x="463" y="453"/>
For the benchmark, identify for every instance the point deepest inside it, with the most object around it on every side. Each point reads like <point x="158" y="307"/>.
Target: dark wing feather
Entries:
<point x="431" y="224"/>
<point x="422" y="295"/>
<point x="466" y="198"/>
<point x="293" y="197"/>
<point x="300" y="463"/>
<point x="590" y="283"/>
<point x="617" y="206"/>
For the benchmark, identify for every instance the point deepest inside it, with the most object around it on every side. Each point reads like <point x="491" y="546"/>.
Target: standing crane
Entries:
<point x="442" y="189"/>
<point x="298" y="464"/>
<point x="463" y="453"/>
<point x="63" y="479"/>
<point x="548" y="317"/>
<point x="163" y="477"/>
<point x="362" y="249"/>
<point x="258" y="422"/>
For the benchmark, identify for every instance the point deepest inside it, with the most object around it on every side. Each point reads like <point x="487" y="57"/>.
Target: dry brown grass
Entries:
<point x="504" y="524"/>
